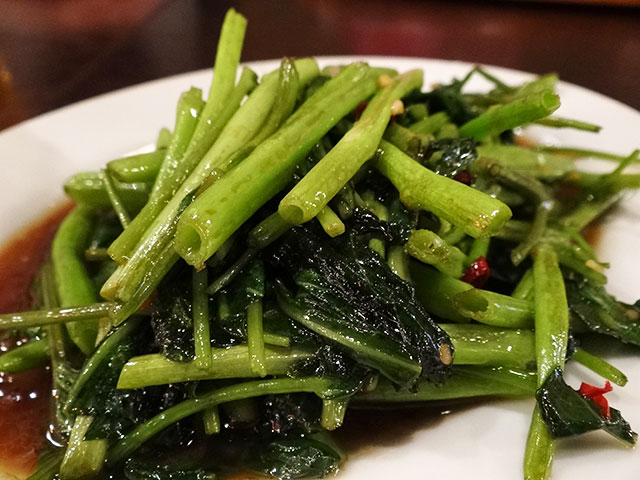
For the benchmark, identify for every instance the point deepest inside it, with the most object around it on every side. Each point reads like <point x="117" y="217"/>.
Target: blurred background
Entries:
<point x="56" y="52"/>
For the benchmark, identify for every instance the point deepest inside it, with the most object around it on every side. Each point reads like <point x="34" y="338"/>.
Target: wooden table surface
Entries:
<point x="56" y="52"/>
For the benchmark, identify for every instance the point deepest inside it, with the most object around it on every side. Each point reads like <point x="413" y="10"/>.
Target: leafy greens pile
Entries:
<point x="317" y="241"/>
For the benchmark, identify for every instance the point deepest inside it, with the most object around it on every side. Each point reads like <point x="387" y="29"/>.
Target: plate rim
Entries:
<point x="322" y="59"/>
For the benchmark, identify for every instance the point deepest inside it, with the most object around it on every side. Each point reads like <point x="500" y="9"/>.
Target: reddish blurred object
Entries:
<point x="71" y="16"/>
<point x="10" y="105"/>
<point x="478" y="273"/>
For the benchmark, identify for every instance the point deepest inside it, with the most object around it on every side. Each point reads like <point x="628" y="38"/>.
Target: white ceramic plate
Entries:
<point x="482" y="443"/>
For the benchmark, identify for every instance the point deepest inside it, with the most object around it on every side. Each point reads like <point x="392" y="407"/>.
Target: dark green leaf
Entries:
<point x="349" y="292"/>
<point x="600" y="312"/>
<point x="303" y="457"/>
<point x="172" y="320"/>
<point x="136" y="470"/>
<point x="568" y="413"/>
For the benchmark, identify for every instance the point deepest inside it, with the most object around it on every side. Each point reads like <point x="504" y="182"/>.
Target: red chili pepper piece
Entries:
<point x="464" y="176"/>
<point x="596" y="395"/>
<point x="478" y="273"/>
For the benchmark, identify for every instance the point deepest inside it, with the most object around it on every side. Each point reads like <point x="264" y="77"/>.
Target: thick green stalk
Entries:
<point x="448" y="130"/>
<point x="551" y="312"/>
<point x="589" y="210"/>
<point x="476" y="213"/>
<point x="532" y="188"/>
<point x="437" y="291"/>
<point x="492" y="346"/>
<point x="551" y="332"/>
<point x="458" y="301"/>
<point x="114" y="198"/>
<point x="26" y="356"/>
<point x="87" y="189"/>
<point x="201" y="329"/>
<point x="540" y="448"/>
<point x="330" y="222"/>
<point x="224" y="69"/>
<point x="218" y="212"/>
<point x="600" y="367"/>
<point x="336" y="168"/>
<point x="494" y="309"/>
<point x="332" y="415"/>
<point x="161" y="262"/>
<point x="39" y="318"/>
<point x="504" y="117"/>
<point x="417" y="111"/>
<point x="430" y="124"/>
<point x="276" y="340"/>
<point x="83" y="458"/>
<point x="189" y="110"/>
<point x="429" y="248"/>
<point x="399" y="262"/>
<point x="524" y="288"/>
<point x="406" y="140"/>
<point x="255" y="339"/>
<point x="233" y="362"/>
<point x="464" y="382"/>
<point x="143" y="167"/>
<point x="164" y="139"/>
<point x="211" y="420"/>
<point x="267" y="231"/>
<point x="75" y="288"/>
<point x="531" y="162"/>
<point x="289" y="83"/>
<point x="479" y="248"/>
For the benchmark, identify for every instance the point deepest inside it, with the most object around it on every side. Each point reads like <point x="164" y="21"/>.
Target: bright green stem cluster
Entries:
<point x="358" y="145"/>
<point x="475" y="212"/>
<point x="220" y="210"/>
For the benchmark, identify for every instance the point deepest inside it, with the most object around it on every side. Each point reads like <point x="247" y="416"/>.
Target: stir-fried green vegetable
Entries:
<point x="236" y="332"/>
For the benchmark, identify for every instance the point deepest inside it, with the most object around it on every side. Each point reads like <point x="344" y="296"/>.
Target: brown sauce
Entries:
<point x="24" y="397"/>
